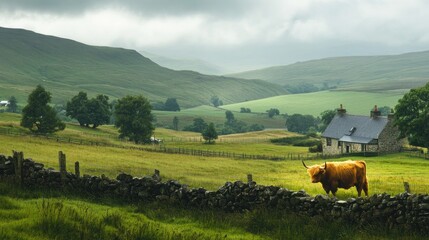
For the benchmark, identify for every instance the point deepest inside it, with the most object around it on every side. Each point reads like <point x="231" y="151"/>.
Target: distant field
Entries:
<point x="314" y="103"/>
<point x="217" y="116"/>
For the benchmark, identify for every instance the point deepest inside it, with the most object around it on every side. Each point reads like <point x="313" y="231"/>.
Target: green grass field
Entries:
<point x="40" y="215"/>
<point x="209" y="172"/>
<point x="46" y="214"/>
<point x="359" y="103"/>
<point x="217" y="116"/>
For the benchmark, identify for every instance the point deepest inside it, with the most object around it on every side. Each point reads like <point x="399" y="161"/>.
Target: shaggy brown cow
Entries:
<point x="334" y="175"/>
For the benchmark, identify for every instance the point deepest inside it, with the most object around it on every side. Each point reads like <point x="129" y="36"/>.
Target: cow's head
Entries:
<point x="316" y="172"/>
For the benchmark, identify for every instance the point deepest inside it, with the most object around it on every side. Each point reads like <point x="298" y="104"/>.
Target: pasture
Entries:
<point x="217" y="116"/>
<point x="358" y="103"/>
<point x="46" y="214"/>
<point x="40" y="215"/>
<point x="385" y="173"/>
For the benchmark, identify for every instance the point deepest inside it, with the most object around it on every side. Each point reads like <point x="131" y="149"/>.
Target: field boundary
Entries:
<point x="403" y="210"/>
<point x="159" y="148"/>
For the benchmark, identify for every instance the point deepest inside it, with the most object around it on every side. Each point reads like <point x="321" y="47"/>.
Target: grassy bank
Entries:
<point x="39" y="215"/>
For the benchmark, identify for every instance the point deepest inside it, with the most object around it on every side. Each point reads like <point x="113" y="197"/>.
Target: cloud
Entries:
<point x="232" y="29"/>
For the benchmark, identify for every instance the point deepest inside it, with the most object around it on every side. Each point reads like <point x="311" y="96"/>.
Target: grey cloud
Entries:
<point x="231" y="8"/>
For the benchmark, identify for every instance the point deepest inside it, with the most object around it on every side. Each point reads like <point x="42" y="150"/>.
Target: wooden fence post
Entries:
<point x="157" y="176"/>
<point x="407" y="187"/>
<point x="18" y="158"/>
<point x="249" y="178"/>
<point x="76" y="169"/>
<point x="62" y="162"/>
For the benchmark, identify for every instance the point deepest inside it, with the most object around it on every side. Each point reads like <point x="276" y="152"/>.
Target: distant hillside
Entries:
<point x="65" y="67"/>
<point x="196" y="65"/>
<point x="356" y="102"/>
<point x="371" y="73"/>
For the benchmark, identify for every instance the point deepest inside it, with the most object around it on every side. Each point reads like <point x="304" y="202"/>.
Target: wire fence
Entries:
<point x="220" y="139"/>
<point x="160" y="148"/>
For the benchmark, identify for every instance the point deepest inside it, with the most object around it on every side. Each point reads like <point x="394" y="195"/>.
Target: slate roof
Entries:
<point x="356" y="129"/>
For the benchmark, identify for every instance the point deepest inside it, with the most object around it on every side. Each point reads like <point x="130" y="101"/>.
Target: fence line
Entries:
<point x="418" y="154"/>
<point x="220" y="139"/>
<point x="205" y="153"/>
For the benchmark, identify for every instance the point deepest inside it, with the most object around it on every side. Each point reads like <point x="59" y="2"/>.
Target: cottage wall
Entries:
<point x="388" y="140"/>
<point x="353" y="147"/>
<point x="333" y="149"/>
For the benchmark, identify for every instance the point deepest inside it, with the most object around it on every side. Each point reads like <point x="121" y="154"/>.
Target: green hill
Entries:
<point x="65" y="67"/>
<point x="196" y="65"/>
<point x="368" y="73"/>
<point x="355" y="102"/>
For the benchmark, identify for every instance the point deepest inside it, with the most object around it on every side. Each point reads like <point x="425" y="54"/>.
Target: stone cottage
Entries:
<point x="361" y="134"/>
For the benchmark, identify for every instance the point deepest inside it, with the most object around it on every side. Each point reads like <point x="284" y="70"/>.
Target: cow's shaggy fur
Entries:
<point x="334" y="175"/>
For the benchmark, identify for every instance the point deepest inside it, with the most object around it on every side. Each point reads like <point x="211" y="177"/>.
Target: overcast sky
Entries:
<point x="239" y="34"/>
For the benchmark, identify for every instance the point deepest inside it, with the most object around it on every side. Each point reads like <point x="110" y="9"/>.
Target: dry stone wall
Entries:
<point x="407" y="210"/>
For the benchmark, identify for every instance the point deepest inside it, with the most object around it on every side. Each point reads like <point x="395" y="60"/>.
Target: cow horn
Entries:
<point x="304" y="164"/>
<point x="324" y="166"/>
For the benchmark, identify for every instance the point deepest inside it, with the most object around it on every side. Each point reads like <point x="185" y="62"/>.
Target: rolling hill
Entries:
<point x="366" y="73"/>
<point x="356" y="102"/>
<point x="196" y="65"/>
<point x="65" y="67"/>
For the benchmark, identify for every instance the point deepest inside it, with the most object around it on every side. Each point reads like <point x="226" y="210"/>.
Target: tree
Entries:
<point x="12" y="106"/>
<point x="300" y="123"/>
<point x="134" y="118"/>
<point x="412" y="116"/>
<point x="272" y="112"/>
<point x="176" y="123"/>
<point x="95" y="111"/>
<point x="99" y="110"/>
<point x="229" y="117"/>
<point x="198" y="126"/>
<point x="210" y="134"/>
<point x="171" y="105"/>
<point x="77" y="108"/>
<point x="326" y="117"/>
<point x="245" y="110"/>
<point x="38" y="116"/>
<point x="216" y="101"/>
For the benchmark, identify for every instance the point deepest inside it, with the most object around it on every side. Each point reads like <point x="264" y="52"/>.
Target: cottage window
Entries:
<point x="328" y="142"/>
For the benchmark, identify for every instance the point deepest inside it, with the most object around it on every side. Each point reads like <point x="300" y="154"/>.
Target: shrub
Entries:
<point x="300" y="141"/>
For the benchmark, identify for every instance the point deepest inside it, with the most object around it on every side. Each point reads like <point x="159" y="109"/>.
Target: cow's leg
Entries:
<point x="365" y="187"/>
<point x="334" y="188"/>
<point x="359" y="188"/>
<point x="327" y="189"/>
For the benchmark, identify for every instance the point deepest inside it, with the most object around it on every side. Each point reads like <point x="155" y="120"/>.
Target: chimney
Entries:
<point x="375" y="113"/>
<point x="341" y="110"/>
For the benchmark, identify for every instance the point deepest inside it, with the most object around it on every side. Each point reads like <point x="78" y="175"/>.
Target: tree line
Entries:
<point x="132" y="114"/>
<point x="134" y="119"/>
